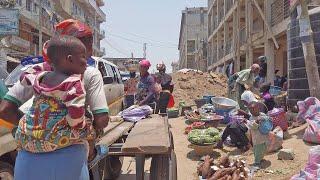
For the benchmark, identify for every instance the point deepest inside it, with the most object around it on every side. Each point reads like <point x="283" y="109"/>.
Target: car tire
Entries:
<point x="6" y="171"/>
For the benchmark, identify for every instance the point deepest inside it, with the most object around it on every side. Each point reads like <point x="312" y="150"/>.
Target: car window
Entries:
<point x="110" y="71"/>
<point x="102" y="69"/>
<point x="119" y="75"/>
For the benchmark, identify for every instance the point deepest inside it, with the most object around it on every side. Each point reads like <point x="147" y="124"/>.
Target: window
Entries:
<point x="35" y="8"/>
<point x="19" y="2"/>
<point x="191" y="46"/>
<point x="110" y="71"/>
<point x="29" y="5"/>
<point x="102" y="69"/>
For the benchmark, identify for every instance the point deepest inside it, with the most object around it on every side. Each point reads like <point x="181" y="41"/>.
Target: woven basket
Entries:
<point x="202" y="150"/>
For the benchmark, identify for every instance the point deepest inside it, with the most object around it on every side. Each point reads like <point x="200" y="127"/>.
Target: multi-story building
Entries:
<point x="193" y="37"/>
<point x="175" y="66"/>
<point x="241" y="31"/>
<point x="34" y="14"/>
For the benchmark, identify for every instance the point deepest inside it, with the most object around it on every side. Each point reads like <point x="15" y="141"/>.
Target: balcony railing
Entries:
<point x="97" y="9"/>
<point x="279" y="11"/>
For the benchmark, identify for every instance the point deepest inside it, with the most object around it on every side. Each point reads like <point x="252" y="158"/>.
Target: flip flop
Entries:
<point x="102" y="152"/>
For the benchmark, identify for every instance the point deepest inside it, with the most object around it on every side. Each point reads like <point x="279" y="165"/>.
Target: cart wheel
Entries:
<point x="6" y="171"/>
<point x="112" y="168"/>
<point x="164" y="167"/>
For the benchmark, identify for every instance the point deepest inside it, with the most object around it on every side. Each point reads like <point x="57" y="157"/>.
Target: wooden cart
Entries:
<point x="149" y="137"/>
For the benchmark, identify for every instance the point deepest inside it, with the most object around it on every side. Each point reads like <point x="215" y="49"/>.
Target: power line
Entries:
<point x="117" y="46"/>
<point x="146" y="38"/>
<point x="138" y="42"/>
<point x="116" y="49"/>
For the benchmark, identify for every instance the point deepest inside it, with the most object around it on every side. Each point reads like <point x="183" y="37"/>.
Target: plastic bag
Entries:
<point x="275" y="140"/>
<point x="311" y="133"/>
<point x="312" y="169"/>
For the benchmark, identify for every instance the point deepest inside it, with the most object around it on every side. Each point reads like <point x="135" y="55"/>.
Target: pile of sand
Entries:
<point x="194" y="85"/>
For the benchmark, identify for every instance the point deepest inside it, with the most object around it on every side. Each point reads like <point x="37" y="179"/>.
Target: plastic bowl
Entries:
<point x="223" y="103"/>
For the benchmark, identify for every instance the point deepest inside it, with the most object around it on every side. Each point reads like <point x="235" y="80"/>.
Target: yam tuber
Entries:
<point x="236" y="175"/>
<point x="222" y="172"/>
<point x="224" y="161"/>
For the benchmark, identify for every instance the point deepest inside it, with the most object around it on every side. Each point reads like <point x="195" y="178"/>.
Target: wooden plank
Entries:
<point x="111" y="126"/>
<point x="266" y="23"/>
<point x="149" y="136"/>
<point x="114" y="134"/>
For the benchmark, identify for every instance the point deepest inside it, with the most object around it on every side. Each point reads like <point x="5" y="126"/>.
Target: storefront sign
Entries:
<point x="9" y="21"/>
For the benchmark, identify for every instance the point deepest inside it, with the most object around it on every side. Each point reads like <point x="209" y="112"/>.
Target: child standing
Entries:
<point x="259" y="140"/>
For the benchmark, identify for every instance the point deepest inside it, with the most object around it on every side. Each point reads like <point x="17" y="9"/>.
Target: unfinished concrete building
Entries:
<point x="193" y="38"/>
<point x="239" y="31"/>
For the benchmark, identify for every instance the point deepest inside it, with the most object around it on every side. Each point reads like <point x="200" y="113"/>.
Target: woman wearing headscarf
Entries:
<point x="69" y="163"/>
<point x="146" y="94"/>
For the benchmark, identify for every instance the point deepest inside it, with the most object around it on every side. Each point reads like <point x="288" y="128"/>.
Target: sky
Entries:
<point x="130" y="23"/>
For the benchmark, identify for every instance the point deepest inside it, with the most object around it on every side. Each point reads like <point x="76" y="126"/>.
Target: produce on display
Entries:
<point x="204" y="136"/>
<point x="225" y="169"/>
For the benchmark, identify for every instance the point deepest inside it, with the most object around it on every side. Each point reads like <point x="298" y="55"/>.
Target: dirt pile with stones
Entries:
<point x="194" y="85"/>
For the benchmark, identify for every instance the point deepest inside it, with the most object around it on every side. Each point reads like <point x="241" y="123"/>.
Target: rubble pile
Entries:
<point x="194" y="85"/>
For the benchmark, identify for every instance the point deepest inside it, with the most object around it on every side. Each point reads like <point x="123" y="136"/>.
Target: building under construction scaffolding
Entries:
<point x="239" y="31"/>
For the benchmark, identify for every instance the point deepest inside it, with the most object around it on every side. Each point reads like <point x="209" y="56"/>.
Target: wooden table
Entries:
<point x="147" y="138"/>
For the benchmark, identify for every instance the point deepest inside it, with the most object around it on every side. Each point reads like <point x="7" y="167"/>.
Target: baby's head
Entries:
<point x="67" y="54"/>
<point x="254" y="108"/>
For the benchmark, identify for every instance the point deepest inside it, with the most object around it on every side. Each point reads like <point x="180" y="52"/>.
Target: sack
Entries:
<point x="275" y="140"/>
<point x="312" y="134"/>
<point x="312" y="169"/>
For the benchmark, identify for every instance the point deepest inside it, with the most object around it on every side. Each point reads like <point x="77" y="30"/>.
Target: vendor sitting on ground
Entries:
<point x="245" y="81"/>
<point x="268" y="100"/>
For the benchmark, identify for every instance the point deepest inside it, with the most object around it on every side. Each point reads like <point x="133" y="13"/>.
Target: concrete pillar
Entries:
<point x="270" y="54"/>
<point x="236" y="37"/>
<point x="269" y="48"/>
<point x="249" y="22"/>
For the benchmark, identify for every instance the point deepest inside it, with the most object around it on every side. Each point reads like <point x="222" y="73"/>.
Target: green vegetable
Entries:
<point x="204" y="136"/>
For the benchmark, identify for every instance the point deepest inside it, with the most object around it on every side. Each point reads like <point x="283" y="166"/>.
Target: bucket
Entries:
<point x="208" y="98"/>
<point x="225" y="114"/>
<point x="200" y="102"/>
<point x="224" y="103"/>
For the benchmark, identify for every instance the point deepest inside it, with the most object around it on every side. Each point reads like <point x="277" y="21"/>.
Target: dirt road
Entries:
<point x="187" y="160"/>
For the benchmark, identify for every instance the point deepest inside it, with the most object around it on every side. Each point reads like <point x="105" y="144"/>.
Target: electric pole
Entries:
<point x="40" y="27"/>
<point x="306" y="36"/>
<point x="144" y="50"/>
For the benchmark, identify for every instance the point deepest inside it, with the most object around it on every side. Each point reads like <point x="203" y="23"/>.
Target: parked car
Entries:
<point x="114" y="91"/>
